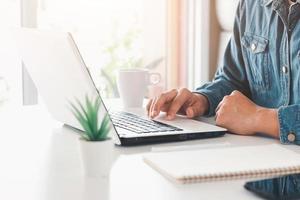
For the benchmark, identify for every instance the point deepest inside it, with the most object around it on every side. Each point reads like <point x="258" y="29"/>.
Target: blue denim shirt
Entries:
<point x="262" y="60"/>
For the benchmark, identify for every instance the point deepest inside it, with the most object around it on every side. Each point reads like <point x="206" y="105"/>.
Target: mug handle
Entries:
<point x="154" y="78"/>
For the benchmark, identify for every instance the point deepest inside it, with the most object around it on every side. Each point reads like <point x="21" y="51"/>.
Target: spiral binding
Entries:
<point x="268" y="173"/>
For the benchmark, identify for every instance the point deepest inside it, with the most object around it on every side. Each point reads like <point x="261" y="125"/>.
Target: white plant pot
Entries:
<point x="97" y="157"/>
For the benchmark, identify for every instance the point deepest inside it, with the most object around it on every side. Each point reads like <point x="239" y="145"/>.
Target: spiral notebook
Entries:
<point x="225" y="163"/>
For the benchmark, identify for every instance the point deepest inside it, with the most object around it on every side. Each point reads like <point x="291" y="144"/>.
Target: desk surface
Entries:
<point x="40" y="160"/>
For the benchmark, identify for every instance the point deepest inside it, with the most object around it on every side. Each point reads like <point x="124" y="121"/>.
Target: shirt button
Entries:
<point x="284" y="69"/>
<point x="291" y="137"/>
<point x="253" y="46"/>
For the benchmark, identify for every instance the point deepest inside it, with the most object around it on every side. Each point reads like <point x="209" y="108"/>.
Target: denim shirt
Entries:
<point x="262" y="60"/>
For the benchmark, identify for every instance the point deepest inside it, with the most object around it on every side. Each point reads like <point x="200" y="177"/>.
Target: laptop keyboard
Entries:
<point x="138" y="124"/>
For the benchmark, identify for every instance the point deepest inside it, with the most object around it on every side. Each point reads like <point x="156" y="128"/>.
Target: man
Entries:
<point x="257" y="88"/>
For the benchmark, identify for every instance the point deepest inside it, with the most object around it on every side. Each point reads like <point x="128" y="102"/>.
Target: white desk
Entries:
<point x="40" y="161"/>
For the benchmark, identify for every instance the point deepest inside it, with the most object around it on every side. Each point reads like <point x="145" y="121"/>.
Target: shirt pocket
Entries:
<point x="256" y="60"/>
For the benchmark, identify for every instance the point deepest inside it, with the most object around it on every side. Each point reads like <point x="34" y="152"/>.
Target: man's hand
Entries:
<point x="240" y="115"/>
<point x="178" y="101"/>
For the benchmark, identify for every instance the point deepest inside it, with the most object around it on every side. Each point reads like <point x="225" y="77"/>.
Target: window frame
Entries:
<point x="188" y="43"/>
<point x="198" y="43"/>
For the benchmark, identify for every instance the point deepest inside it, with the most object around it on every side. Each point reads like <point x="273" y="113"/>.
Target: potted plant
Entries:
<point x="97" y="149"/>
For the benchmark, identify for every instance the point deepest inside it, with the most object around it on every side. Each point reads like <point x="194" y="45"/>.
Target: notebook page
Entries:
<point x="222" y="160"/>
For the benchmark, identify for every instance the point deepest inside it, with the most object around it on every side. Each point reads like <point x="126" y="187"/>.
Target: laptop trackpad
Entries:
<point x="188" y="124"/>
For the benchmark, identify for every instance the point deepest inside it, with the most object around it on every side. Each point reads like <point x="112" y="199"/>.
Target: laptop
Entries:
<point x="58" y="70"/>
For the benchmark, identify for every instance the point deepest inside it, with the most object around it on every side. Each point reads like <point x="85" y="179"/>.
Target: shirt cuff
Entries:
<point x="289" y="121"/>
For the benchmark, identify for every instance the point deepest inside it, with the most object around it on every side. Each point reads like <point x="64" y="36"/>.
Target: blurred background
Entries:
<point x="183" y="40"/>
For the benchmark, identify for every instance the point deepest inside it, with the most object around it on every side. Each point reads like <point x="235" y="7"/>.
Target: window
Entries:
<point x="188" y="42"/>
<point x="111" y="34"/>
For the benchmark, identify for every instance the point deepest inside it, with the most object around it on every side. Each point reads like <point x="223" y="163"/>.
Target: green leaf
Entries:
<point x="92" y="111"/>
<point x="87" y="116"/>
<point x="82" y="108"/>
<point x="104" y="128"/>
<point x="82" y="120"/>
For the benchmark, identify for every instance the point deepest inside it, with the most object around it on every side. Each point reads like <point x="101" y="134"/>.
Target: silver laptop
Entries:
<point x="60" y="74"/>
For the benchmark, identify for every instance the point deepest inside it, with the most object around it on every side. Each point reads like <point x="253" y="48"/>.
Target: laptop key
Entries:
<point x="137" y="124"/>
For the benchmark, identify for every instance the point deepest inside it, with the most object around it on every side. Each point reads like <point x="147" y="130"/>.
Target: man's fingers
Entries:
<point x="190" y="113"/>
<point x="151" y="111"/>
<point x="194" y="107"/>
<point x="218" y="107"/>
<point x="165" y="107"/>
<point x="149" y="106"/>
<point x="216" y="117"/>
<point x="182" y="97"/>
<point x="161" y="101"/>
<point x="193" y="110"/>
<point x="220" y="104"/>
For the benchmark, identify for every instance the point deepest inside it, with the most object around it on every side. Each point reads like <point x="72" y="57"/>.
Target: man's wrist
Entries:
<point x="267" y="122"/>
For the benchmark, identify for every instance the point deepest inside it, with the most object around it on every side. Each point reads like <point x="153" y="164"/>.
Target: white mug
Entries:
<point x="133" y="83"/>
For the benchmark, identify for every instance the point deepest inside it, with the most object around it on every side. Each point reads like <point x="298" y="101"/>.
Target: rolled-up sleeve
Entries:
<point x="289" y="123"/>
<point x="231" y="75"/>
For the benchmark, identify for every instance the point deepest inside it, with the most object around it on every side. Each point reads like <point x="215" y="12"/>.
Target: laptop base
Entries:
<point x="169" y="138"/>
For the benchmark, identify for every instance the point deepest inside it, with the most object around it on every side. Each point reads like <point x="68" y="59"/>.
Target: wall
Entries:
<point x="222" y="15"/>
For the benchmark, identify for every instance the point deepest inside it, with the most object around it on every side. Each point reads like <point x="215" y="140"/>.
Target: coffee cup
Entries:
<point x="133" y="83"/>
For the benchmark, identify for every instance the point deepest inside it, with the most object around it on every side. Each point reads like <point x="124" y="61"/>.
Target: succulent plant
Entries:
<point x="87" y="114"/>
